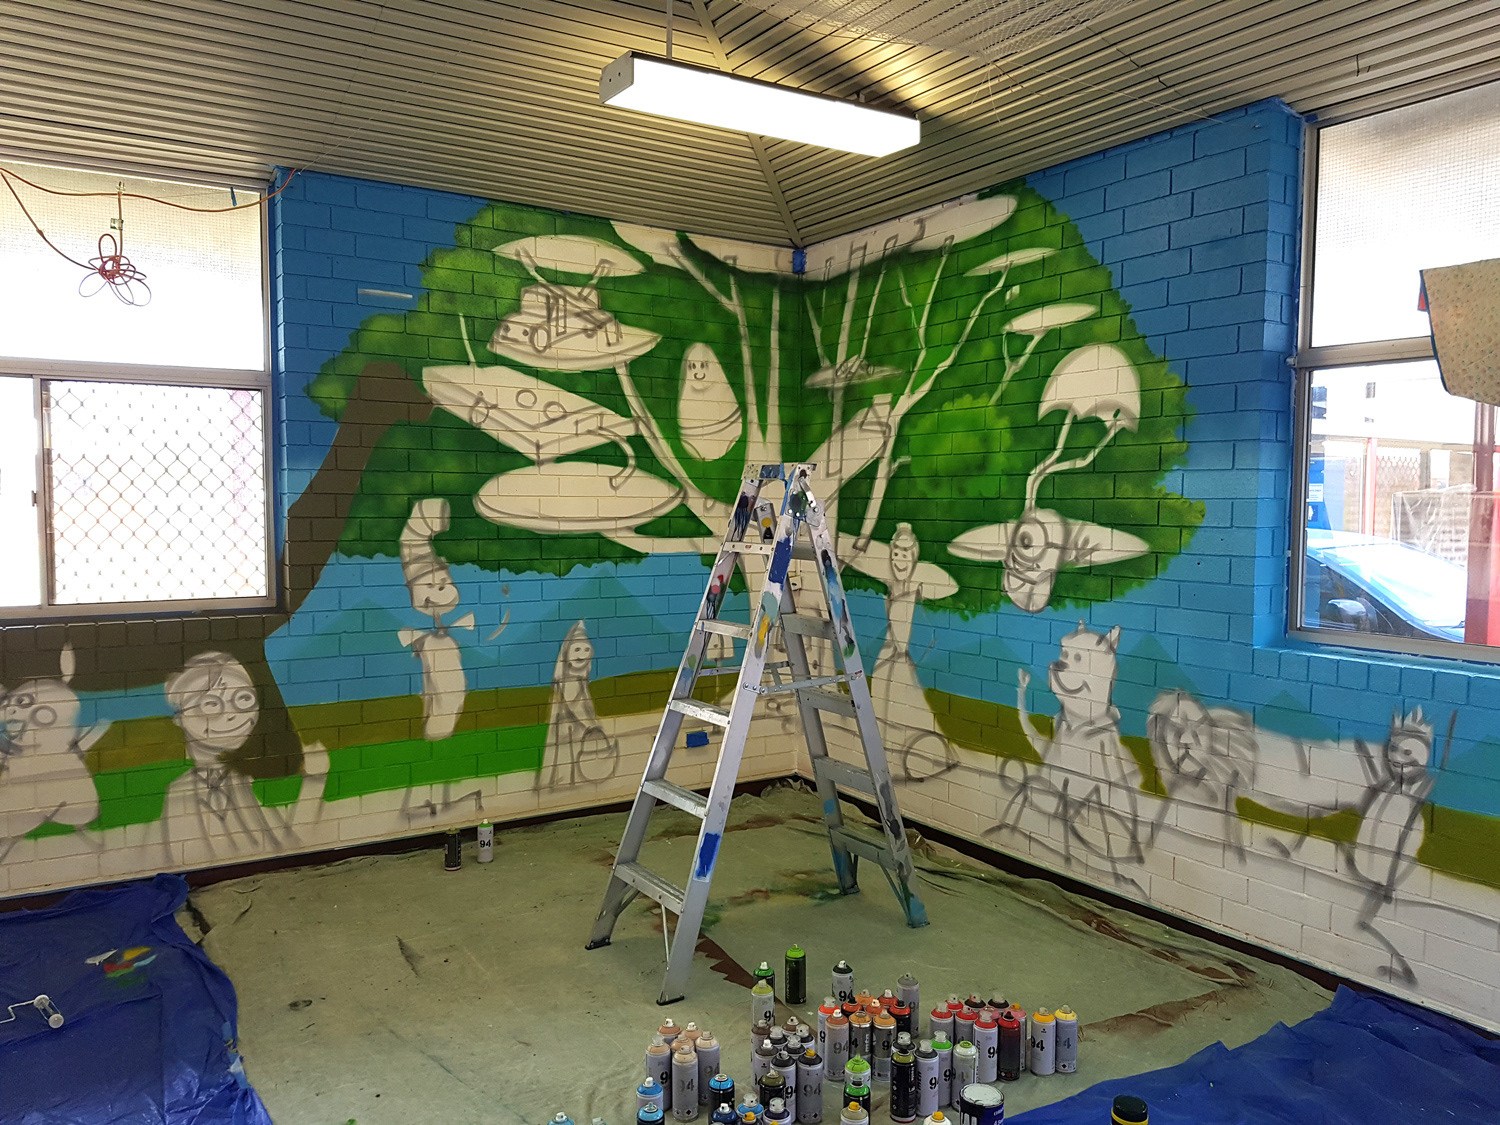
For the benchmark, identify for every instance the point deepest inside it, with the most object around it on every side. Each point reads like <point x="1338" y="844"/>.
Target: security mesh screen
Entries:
<point x="157" y="493"/>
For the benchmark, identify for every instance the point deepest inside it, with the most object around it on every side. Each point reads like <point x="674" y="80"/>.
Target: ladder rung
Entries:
<point x="697" y="709"/>
<point x="842" y="773"/>
<point x="652" y="885"/>
<point x="806" y="625"/>
<point x="799" y="550"/>
<point x="726" y="628"/>
<point x="827" y="701"/>
<point x="864" y="847"/>
<point x="677" y="796"/>
<point x="801" y="685"/>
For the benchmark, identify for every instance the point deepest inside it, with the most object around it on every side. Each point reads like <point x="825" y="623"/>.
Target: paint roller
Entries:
<point x="42" y="1004"/>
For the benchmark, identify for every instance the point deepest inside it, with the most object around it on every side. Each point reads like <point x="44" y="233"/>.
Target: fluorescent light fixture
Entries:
<point x="669" y="88"/>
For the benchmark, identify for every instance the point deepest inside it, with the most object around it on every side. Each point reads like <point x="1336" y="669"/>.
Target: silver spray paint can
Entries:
<point x="837" y="1054"/>
<point x="810" y="1088"/>
<point x="843" y="982"/>
<point x="708" y="1066"/>
<point x="861" y="1036"/>
<point x="760" y="1062"/>
<point x="659" y="1067"/>
<point x="1043" y="1043"/>
<point x="777" y="1113"/>
<point x="853" y="1114"/>
<point x="762" y="1002"/>
<point x="684" y="1086"/>
<point x="786" y="1066"/>
<point x="884" y="1033"/>
<point x="1067" y="1041"/>
<point x="987" y="1040"/>
<point x="910" y="993"/>
<point x="965" y="1065"/>
<point x="944" y="1051"/>
<point x="486" y="842"/>
<point x="928" y="1072"/>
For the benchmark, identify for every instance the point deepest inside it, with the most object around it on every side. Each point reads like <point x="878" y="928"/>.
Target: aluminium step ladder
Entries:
<point x="753" y="532"/>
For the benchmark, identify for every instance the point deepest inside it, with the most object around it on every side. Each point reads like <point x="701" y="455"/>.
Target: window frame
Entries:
<point x="41" y="371"/>
<point x="1309" y="359"/>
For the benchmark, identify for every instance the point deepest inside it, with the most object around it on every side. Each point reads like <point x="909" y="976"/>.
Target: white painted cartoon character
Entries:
<point x="432" y="590"/>
<point x="1204" y="757"/>
<point x="577" y="750"/>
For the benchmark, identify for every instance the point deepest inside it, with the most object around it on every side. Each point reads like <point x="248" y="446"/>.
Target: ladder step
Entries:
<point x="726" y="628"/>
<point x="842" y="773"/>
<point x="677" y="796"/>
<point x="805" y="625"/>
<point x="697" y="709"/>
<point x="827" y="701"/>
<point x="865" y="847"/>
<point x="650" y="884"/>
<point x="801" y="685"/>
<point x="799" y="551"/>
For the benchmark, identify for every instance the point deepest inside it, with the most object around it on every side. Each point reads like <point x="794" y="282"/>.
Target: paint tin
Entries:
<point x="810" y="1088"/>
<point x="785" y="1064"/>
<point x="901" y="1010"/>
<point x="1067" y="1041"/>
<point x="453" y="850"/>
<point x="965" y="1065"/>
<point x="708" y="1066"/>
<point x="843" y="982"/>
<point x="981" y="1105"/>
<point x="646" y="1093"/>
<point x="944" y="1051"/>
<point x="762" y="1001"/>
<point x="910" y="993"/>
<point x="767" y="974"/>
<point x="861" y="1036"/>
<point x="684" y="1085"/>
<point x="1043" y="1043"/>
<point x="659" y="1067"/>
<point x="721" y="1089"/>
<point x="927" y="1079"/>
<point x="777" y="1112"/>
<point x="987" y="1040"/>
<point x="837" y="1053"/>
<point x="760" y="1061"/>
<point x="649" y="1114"/>
<point x="854" y="1114"/>
<point x="857" y="1083"/>
<point x="885" y="1045"/>
<point x="796" y="975"/>
<point x="724" y="1115"/>
<point x="749" y="1109"/>
<point x="486" y="842"/>
<point x="1008" y="1061"/>
<point x="1129" y="1110"/>
<point x="940" y="1021"/>
<point x="903" y="1081"/>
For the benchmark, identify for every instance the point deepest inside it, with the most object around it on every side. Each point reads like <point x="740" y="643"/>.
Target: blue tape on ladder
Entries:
<point x="697" y="738"/>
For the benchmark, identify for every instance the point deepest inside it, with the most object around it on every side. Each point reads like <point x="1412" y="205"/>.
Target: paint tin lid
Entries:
<point x="978" y="1094"/>
<point x="1129" y="1110"/>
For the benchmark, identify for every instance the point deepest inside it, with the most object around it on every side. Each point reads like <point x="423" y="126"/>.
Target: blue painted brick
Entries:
<point x="1452" y="687"/>
<point x="1222" y="135"/>
<point x="1385" y="678"/>
<point x="1138" y="188"/>
<point x="372" y="197"/>
<point x="1205" y="284"/>
<point x="1244" y="308"/>
<point x="1235" y="194"/>
<point x="367" y="222"/>
<point x="428" y="231"/>
<point x="388" y="249"/>
<point x="1208" y="170"/>
<point x="301" y="213"/>
<point x="1208" y="228"/>
<point x="1239" y="251"/>
<point x="1353" y="674"/>
<point x="329" y="241"/>
<point x="1153" y="267"/>
<point x="1158" y="154"/>
<point x="1137" y="244"/>
<point x="1203" y="342"/>
<point x="328" y="189"/>
<point x="1274" y="156"/>
<point x="1095" y="174"/>
<point x="452" y="208"/>
<point x="1154" y="212"/>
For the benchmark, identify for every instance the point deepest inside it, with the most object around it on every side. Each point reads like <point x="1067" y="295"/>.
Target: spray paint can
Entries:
<point x="965" y="1065"/>
<point x="777" y="1112"/>
<point x="761" y="1060"/>
<point x="987" y="1040"/>
<point x="903" y="1080"/>
<point x="955" y="1005"/>
<point x="647" y="1093"/>
<point x="796" y="975"/>
<point x="837" y="1053"/>
<point x="669" y="1029"/>
<point x="927" y="1079"/>
<point x="901" y="1011"/>
<point x="861" y="1037"/>
<point x="721" y="1090"/>
<point x="936" y="1117"/>
<point x="1067" y="1041"/>
<point x="910" y="993"/>
<point x="825" y="1009"/>
<point x="724" y="1115"/>
<point x="981" y="1105"/>
<point x="1043" y="1042"/>
<point x="854" y="1114"/>
<point x="843" y="982"/>
<point x="1008" y="1061"/>
<point x="766" y="973"/>
<point x="857" y="1082"/>
<point x="762" y="1001"/>
<point x="785" y="1065"/>
<point x="692" y="1033"/>
<point x="885" y="1045"/>
<point x="777" y="1038"/>
<point x="486" y="842"/>
<point x="749" y="1109"/>
<point x="810" y="1088"/>
<point x="998" y="1002"/>
<point x="648" y="1114"/>
<point x="963" y="1024"/>
<point x="793" y="1029"/>
<point x="974" y="1002"/>
<point x="453" y="850"/>
<point x="940" y="1022"/>
<point x="772" y="1085"/>
<point x="1128" y="1110"/>
<point x="684" y="1086"/>
<point x="760" y="1030"/>
<point x="944" y="1051"/>
<point x="1020" y="1013"/>
<point x="659" y="1068"/>
<point x="708" y="1066"/>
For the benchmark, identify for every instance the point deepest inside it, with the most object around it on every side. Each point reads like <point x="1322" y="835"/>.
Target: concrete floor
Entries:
<point x="385" y="991"/>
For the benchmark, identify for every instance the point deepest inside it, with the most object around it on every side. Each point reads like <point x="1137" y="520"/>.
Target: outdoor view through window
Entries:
<point x="1402" y="527"/>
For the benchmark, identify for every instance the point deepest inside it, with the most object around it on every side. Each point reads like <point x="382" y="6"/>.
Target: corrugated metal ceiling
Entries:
<point x="501" y="100"/>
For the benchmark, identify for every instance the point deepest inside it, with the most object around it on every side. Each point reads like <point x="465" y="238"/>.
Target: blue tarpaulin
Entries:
<point x="1363" y="1059"/>
<point x="149" y="1021"/>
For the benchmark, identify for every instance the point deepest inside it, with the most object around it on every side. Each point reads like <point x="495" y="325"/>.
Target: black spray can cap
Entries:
<point x="1129" y="1110"/>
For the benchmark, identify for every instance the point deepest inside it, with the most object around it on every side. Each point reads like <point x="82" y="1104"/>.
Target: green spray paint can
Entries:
<point x="796" y="975"/>
<point x="767" y="974"/>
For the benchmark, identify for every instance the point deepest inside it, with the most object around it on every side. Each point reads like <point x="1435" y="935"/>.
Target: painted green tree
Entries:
<point x="600" y="390"/>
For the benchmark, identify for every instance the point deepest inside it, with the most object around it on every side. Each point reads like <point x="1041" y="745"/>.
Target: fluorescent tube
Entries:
<point x="710" y="97"/>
